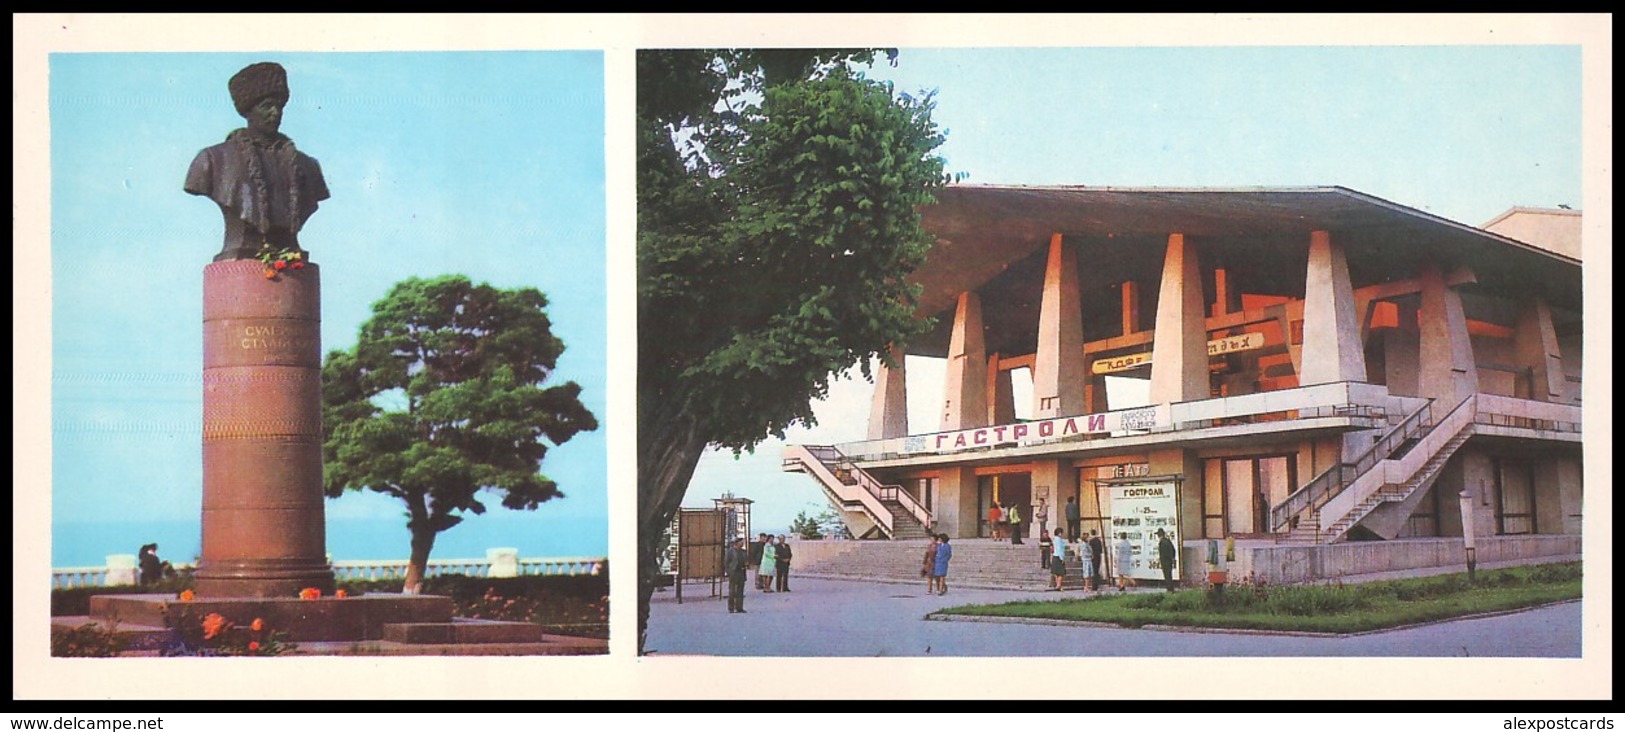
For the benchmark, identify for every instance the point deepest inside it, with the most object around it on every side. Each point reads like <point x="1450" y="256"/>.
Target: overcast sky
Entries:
<point x="489" y="165"/>
<point x="1460" y="132"/>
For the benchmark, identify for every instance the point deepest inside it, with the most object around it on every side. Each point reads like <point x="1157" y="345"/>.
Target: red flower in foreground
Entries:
<point x="279" y="265"/>
<point x="258" y="625"/>
<point x="270" y="274"/>
<point x="341" y="594"/>
<point x="253" y="645"/>
<point x="298" y="264"/>
<point x="186" y="595"/>
<point x="213" y="623"/>
<point x="309" y="593"/>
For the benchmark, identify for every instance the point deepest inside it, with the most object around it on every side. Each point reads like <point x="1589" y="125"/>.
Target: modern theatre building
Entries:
<point x="1333" y="382"/>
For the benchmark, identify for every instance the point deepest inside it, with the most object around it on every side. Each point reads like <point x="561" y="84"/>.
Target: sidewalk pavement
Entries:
<point x="827" y="617"/>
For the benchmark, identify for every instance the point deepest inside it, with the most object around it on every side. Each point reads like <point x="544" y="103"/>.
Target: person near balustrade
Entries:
<point x="781" y="565"/>
<point x="152" y="568"/>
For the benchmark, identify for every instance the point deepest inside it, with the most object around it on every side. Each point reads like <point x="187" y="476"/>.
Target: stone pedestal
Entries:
<point x="263" y="524"/>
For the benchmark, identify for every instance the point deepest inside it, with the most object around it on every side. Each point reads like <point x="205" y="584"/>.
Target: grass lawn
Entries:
<point x="1321" y="608"/>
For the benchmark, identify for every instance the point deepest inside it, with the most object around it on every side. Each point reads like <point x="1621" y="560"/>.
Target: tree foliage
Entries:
<point x="806" y="527"/>
<point x="778" y="196"/>
<point x="441" y="398"/>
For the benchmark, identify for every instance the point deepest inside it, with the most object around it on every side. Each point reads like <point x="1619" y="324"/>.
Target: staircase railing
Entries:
<point x="1408" y="470"/>
<point x="1341" y="474"/>
<point x="884" y="492"/>
<point x="847" y="473"/>
<point x="822" y="462"/>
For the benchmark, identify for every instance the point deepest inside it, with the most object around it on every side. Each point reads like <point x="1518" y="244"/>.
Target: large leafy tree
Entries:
<point x="441" y="398"/>
<point x="777" y="218"/>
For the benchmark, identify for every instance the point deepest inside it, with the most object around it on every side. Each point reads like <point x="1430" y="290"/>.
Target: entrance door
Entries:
<point x="1009" y="489"/>
<point x="1247" y="489"/>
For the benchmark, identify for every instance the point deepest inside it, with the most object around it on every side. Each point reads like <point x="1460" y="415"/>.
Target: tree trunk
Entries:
<point x="669" y="449"/>
<point x="423" y="535"/>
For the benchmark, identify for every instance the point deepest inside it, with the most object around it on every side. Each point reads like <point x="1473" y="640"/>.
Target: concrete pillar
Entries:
<point x="1062" y="480"/>
<point x="264" y="531"/>
<point x="1331" y="332"/>
<point x="1131" y="307"/>
<point x="1571" y="496"/>
<point x="1478" y="479"/>
<point x="956" y="503"/>
<point x="1401" y="354"/>
<point x="1186" y="464"/>
<point x="1448" y="373"/>
<point x="1179" y="354"/>
<point x="1001" y="407"/>
<point x="965" y="402"/>
<point x="1058" y="369"/>
<point x="1536" y="342"/>
<point x="888" y="408"/>
<point x="1226" y="294"/>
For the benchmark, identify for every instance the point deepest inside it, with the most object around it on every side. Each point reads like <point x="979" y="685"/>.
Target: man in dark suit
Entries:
<point x="1097" y="552"/>
<point x="781" y="569"/>
<point x="733" y="564"/>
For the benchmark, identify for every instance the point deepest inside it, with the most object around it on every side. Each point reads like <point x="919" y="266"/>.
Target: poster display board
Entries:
<point x="1138" y="508"/>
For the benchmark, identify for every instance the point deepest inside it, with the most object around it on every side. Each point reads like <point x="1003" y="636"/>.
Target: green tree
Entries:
<point x="777" y="218"/>
<point x="441" y="398"/>
<point x="805" y="527"/>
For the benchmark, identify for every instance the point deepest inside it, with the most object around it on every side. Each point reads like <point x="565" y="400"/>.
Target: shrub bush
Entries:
<point x="89" y="640"/>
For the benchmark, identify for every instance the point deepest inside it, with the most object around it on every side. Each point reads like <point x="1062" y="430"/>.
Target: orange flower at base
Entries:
<point x="258" y="625"/>
<point x="213" y="623"/>
<point x="309" y="593"/>
<point x="341" y="594"/>
<point x="270" y="274"/>
<point x="186" y="595"/>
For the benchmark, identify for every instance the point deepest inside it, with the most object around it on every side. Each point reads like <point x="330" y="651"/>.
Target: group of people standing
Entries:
<point x="1004" y="522"/>
<point x="1092" y="551"/>
<point x="770" y="559"/>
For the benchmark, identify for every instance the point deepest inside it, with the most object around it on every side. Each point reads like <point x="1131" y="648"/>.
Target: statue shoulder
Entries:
<point x="205" y="166"/>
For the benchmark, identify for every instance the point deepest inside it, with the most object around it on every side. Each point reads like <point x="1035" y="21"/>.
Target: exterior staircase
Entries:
<point x="1393" y="493"/>
<point x="976" y="563"/>
<point x="1406" y="459"/>
<point x="869" y="508"/>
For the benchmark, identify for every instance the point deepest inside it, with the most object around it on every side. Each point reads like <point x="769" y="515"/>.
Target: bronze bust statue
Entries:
<point x="264" y="186"/>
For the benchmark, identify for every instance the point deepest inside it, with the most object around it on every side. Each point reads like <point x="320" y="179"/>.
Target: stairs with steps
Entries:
<point x="976" y="563"/>
<point x="891" y="511"/>
<point x="1398" y="492"/>
<point x="904" y="526"/>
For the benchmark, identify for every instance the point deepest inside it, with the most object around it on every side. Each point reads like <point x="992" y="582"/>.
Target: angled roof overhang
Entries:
<point x="992" y="240"/>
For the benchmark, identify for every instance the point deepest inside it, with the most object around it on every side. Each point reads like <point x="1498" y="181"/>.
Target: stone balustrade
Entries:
<point x="63" y="578"/>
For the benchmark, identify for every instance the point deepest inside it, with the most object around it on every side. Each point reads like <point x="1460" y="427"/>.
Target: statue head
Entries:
<point x="259" y="92"/>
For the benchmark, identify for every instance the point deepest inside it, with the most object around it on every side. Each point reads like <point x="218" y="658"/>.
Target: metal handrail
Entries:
<point x="1317" y="492"/>
<point x="885" y="492"/>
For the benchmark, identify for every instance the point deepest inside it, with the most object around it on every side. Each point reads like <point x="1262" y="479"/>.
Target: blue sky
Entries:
<point x="487" y="164"/>
<point x="1463" y="132"/>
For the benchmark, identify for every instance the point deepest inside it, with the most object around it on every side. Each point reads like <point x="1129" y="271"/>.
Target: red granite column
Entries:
<point x="264" y="534"/>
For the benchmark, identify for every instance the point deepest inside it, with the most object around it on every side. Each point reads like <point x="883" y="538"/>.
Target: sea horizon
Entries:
<point x="88" y="543"/>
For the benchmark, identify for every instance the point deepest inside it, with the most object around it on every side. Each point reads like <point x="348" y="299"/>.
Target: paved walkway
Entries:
<point x="826" y="617"/>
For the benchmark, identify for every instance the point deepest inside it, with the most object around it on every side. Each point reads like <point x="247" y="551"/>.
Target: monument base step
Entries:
<point x="464" y="630"/>
<point x="322" y="619"/>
